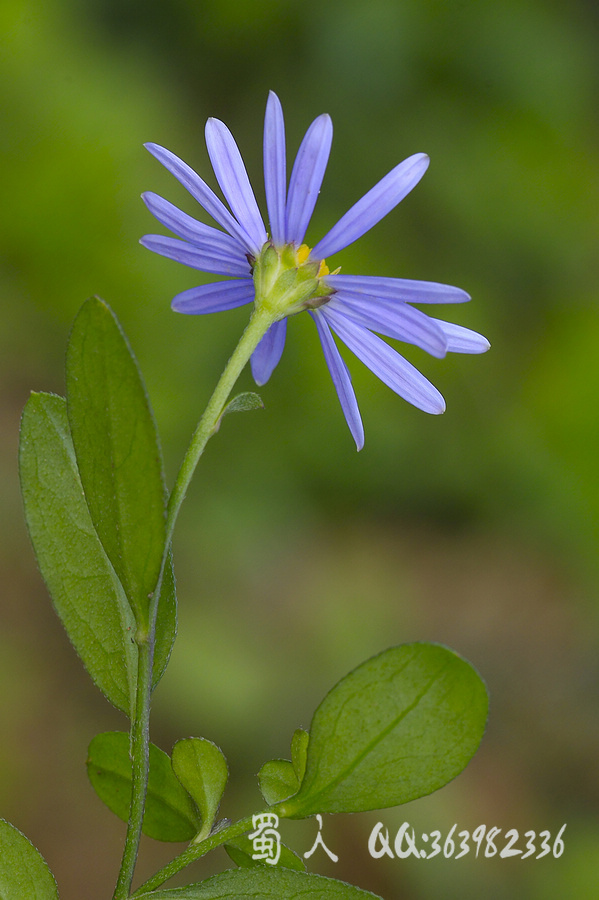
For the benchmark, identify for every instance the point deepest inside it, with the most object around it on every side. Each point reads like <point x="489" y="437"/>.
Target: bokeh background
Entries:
<point x="297" y="558"/>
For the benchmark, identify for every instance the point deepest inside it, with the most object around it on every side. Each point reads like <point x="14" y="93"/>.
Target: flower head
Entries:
<point x="282" y="275"/>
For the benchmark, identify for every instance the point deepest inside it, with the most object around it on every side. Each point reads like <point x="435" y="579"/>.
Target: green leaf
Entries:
<point x="116" y="444"/>
<point x="277" y="780"/>
<point x="240" y="403"/>
<point x="241" y="852"/>
<point x="170" y="814"/>
<point x="166" y="623"/>
<point x="280" y="778"/>
<point x="398" y="727"/>
<point x="202" y="770"/>
<point x="299" y="752"/>
<point x="243" y="403"/>
<point x="24" y="874"/>
<point x="264" y="883"/>
<point x="83" y="586"/>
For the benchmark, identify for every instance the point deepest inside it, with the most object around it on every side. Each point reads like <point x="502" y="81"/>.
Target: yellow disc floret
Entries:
<point x="302" y="254"/>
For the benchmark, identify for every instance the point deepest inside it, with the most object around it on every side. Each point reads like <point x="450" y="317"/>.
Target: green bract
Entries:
<point x="286" y="281"/>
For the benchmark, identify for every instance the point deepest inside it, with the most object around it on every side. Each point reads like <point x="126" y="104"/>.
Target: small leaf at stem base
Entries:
<point x="170" y="813"/>
<point x="202" y="769"/>
<point x="277" y="780"/>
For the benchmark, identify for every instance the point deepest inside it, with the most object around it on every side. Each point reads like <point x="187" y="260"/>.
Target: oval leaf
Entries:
<point x="263" y="883"/>
<point x="278" y="780"/>
<point x="170" y="814"/>
<point x="85" y="591"/>
<point x="116" y="444"/>
<point x="241" y="852"/>
<point x="202" y="769"/>
<point x="398" y="727"/>
<point x="23" y="871"/>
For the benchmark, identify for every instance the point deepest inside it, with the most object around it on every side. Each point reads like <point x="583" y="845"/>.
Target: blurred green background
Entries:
<point x="297" y="558"/>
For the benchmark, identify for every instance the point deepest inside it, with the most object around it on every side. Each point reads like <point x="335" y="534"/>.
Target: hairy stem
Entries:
<point x="256" y="329"/>
<point x="140" y="726"/>
<point x="139" y="756"/>
<point x="193" y="852"/>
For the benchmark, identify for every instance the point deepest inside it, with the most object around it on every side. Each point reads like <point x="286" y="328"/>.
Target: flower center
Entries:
<point x="303" y="252"/>
<point x="287" y="281"/>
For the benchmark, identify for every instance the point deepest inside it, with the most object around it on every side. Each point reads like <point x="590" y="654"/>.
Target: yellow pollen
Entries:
<point x="302" y="254"/>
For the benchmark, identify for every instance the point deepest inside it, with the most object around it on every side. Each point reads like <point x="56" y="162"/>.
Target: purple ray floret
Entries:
<point x="353" y="307"/>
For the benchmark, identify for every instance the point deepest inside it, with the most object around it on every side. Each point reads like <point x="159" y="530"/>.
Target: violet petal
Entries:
<point x="268" y="352"/>
<point x="275" y="168"/>
<point x="306" y="177"/>
<point x="386" y="363"/>
<point x="233" y="179"/>
<point x="373" y="206"/>
<point x="205" y="196"/>
<point x="341" y="379"/>
<point x="402" y="289"/>
<point x="394" y="320"/>
<point x="206" y="259"/>
<point x="191" y="229"/>
<point x="463" y="340"/>
<point x="214" y="297"/>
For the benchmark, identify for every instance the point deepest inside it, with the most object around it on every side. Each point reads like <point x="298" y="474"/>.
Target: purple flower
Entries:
<point x="285" y="276"/>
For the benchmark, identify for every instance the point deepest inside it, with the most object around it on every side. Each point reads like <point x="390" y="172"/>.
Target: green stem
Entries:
<point x="193" y="852"/>
<point x="255" y="331"/>
<point x="140" y="727"/>
<point x="140" y="765"/>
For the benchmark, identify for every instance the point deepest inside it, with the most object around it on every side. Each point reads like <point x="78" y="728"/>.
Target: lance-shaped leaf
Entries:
<point x="116" y="444"/>
<point x="166" y="622"/>
<point x="170" y="813"/>
<point x="264" y="883"/>
<point x="241" y="851"/>
<point x="23" y="871"/>
<point x="299" y="752"/>
<point x="83" y="586"/>
<point x="398" y="727"/>
<point x="202" y="770"/>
